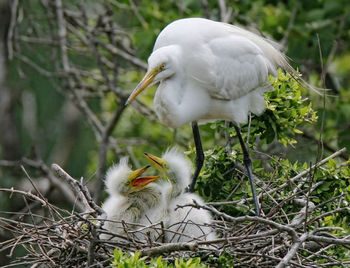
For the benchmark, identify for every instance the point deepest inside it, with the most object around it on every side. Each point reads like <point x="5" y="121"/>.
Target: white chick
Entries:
<point x="186" y="223"/>
<point x="129" y="196"/>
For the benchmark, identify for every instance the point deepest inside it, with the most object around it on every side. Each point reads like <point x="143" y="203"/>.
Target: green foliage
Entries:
<point x="133" y="260"/>
<point x="219" y="178"/>
<point x="286" y="109"/>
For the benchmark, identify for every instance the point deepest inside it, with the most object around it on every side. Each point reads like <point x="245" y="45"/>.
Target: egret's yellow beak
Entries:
<point x="158" y="162"/>
<point x="137" y="182"/>
<point x="145" y="82"/>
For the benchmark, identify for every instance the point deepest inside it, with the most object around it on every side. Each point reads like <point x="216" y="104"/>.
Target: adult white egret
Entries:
<point x="129" y="195"/>
<point x="210" y="70"/>
<point x="185" y="223"/>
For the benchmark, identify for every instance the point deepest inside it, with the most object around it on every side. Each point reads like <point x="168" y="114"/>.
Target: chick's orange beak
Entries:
<point x="138" y="182"/>
<point x="143" y="181"/>
<point x="145" y="82"/>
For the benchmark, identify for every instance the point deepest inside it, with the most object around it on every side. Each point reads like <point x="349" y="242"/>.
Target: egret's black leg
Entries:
<point x="248" y="165"/>
<point x="199" y="155"/>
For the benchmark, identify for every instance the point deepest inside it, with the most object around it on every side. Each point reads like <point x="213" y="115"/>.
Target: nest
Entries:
<point x="54" y="237"/>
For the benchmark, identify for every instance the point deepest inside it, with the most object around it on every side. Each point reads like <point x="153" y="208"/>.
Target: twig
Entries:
<point x="291" y="22"/>
<point x="126" y="56"/>
<point x="225" y="14"/>
<point x="293" y="250"/>
<point x="11" y="28"/>
<point x="227" y="217"/>
<point x="167" y="248"/>
<point x="104" y="148"/>
<point x="28" y="194"/>
<point x="80" y="189"/>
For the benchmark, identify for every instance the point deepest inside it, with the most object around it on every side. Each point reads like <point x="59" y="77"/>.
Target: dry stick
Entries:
<point x="94" y="49"/>
<point x="106" y="131"/>
<point x="36" y="67"/>
<point x="40" y="195"/>
<point x="301" y="174"/>
<point x="320" y="148"/>
<point x="33" y="196"/>
<point x="335" y="44"/>
<point x="36" y="40"/>
<point x="319" y="255"/>
<point x="32" y="182"/>
<point x="293" y="250"/>
<point x="91" y="248"/>
<point x="291" y="22"/>
<point x="80" y="189"/>
<point x="126" y="56"/>
<point x="104" y="148"/>
<point x="326" y="146"/>
<point x="62" y="35"/>
<point x="168" y="248"/>
<point x="328" y="213"/>
<point x="270" y="257"/>
<point x="328" y="240"/>
<point x="11" y="28"/>
<point x="138" y="14"/>
<point x="93" y="120"/>
<point x="64" y="188"/>
<point x="205" y="7"/>
<point x="278" y="226"/>
<point x="225" y="14"/>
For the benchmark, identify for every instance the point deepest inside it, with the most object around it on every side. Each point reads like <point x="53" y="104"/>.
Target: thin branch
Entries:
<point x="11" y="28"/>
<point x="167" y="248"/>
<point x="28" y="194"/>
<point x="80" y="189"/>
<point x="104" y="148"/>
<point x="291" y="22"/>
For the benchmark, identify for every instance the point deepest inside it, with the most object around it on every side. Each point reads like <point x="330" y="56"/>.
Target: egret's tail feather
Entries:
<point x="297" y="77"/>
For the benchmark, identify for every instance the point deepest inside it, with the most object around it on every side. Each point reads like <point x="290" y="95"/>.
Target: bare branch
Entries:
<point x="169" y="248"/>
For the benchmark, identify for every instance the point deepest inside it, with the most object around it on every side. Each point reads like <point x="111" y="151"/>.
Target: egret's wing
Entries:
<point x="232" y="67"/>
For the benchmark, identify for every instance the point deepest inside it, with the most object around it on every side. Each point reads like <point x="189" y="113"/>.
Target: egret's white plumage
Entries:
<point x="129" y="195"/>
<point x="186" y="223"/>
<point x="209" y="70"/>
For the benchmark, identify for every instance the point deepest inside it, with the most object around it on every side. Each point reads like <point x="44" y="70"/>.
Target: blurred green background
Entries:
<point x="40" y="114"/>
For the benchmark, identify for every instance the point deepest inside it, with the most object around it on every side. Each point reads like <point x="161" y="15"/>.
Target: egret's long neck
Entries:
<point x="168" y="102"/>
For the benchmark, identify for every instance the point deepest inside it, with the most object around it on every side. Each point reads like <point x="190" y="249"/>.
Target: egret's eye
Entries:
<point x="161" y="67"/>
